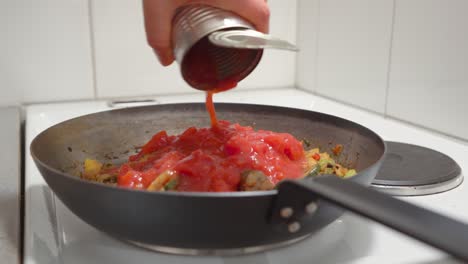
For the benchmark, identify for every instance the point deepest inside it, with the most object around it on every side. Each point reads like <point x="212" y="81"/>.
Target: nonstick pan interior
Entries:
<point x="114" y="135"/>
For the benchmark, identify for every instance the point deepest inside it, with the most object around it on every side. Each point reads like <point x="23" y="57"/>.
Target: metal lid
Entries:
<point x="249" y="39"/>
<point x="410" y="170"/>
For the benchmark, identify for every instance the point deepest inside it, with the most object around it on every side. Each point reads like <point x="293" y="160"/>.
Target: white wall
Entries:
<point x="403" y="59"/>
<point x="429" y="65"/>
<point x="45" y="51"/>
<point x="53" y="50"/>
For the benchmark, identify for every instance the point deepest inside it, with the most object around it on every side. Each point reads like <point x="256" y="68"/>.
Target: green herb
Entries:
<point x="171" y="185"/>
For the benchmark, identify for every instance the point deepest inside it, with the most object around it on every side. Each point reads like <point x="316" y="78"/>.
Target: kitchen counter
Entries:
<point x="10" y="163"/>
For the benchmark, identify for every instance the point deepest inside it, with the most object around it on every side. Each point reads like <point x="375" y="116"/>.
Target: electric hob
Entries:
<point x="55" y="235"/>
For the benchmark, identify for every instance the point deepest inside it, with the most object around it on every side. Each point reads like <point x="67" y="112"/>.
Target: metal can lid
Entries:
<point x="249" y="39"/>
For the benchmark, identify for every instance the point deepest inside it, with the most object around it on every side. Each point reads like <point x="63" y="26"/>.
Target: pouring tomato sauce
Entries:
<point x="213" y="159"/>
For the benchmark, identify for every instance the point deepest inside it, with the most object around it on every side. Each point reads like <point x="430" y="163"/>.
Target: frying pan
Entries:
<point x="235" y="222"/>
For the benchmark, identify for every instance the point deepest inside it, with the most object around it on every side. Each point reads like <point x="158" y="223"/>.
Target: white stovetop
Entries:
<point x="54" y="235"/>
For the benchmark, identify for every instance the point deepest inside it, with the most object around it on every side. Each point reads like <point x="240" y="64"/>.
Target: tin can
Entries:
<point x="204" y="65"/>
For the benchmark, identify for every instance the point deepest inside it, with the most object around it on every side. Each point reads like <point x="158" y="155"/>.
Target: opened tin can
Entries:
<point x="204" y="65"/>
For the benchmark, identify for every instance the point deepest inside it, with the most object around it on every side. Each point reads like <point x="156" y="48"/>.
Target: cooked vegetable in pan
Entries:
<point x="225" y="157"/>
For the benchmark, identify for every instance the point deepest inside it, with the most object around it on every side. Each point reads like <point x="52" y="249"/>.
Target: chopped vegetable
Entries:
<point x="171" y="185"/>
<point x="350" y="173"/>
<point x="321" y="163"/>
<point x="161" y="181"/>
<point x="91" y="169"/>
<point x="106" y="178"/>
<point x="315" y="171"/>
<point x="326" y="163"/>
<point x="337" y="149"/>
<point x="316" y="156"/>
<point x="255" y="180"/>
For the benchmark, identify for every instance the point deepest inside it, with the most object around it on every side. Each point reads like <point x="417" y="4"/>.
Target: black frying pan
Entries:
<point x="242" y="221"/>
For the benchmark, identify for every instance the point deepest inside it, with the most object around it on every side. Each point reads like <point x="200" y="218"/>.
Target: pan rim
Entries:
<point x="194" y="194"/>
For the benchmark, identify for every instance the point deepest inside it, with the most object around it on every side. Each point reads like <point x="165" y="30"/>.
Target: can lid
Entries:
<point x="249" y="39"/>
<point x="410" y="170"/>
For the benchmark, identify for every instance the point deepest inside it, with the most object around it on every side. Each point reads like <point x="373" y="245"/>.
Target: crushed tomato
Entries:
<point x="213" y="159"/>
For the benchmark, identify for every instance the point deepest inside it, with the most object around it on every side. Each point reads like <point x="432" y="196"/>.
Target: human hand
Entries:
<point x="159" y="13"/>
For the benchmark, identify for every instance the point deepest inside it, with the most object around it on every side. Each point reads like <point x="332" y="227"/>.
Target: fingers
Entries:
<point x="159" y="13"/>
<point x="158" y="24"/>
<point x="255" y="11"/>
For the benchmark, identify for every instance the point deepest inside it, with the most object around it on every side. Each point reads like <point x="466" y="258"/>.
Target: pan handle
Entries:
<point x="427" y="226"/>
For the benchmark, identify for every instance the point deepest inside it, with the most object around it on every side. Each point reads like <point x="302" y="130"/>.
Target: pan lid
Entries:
<point x="410" y="170"/>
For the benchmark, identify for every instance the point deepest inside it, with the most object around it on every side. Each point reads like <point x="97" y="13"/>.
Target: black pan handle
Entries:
<point x="427" y="226"/>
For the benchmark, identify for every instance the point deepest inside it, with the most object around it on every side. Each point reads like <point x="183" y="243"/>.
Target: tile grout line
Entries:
<point x="296" y="72"/>
<point x="316" y="55"/>
<point x="93" y="48"/>
<point x="22" y="186"/>
<point x="390" y="52"/>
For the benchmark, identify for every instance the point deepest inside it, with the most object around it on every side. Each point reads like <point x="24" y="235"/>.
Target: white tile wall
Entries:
<point x="45" y="51"/>
<point x="418" y="72"/>
<point x="126" y="66"/>
<point x="277" y="68"/>
<point x="353" y="51"/>
<point x="429" y="70"/>
<point x="307" y="38"/>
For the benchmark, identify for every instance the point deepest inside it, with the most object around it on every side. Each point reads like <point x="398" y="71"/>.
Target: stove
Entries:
<point x="55" y="235"/>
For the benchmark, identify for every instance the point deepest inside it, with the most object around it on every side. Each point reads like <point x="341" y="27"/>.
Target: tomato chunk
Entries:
<point x="316" y="156"/>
